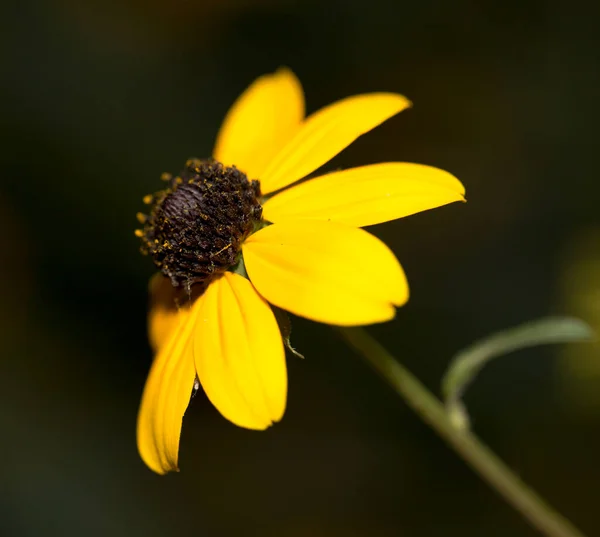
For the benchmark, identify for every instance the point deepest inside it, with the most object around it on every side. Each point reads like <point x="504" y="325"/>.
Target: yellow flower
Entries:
<point x="305" y="254"/>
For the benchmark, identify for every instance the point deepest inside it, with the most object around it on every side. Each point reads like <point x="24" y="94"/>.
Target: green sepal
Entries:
<point x="285" y="326"/>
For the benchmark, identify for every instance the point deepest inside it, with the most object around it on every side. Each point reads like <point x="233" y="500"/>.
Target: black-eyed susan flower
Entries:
<point x="240" y="231"/>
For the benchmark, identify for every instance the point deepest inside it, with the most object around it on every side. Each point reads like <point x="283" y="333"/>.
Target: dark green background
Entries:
<point x="98" y="98"/>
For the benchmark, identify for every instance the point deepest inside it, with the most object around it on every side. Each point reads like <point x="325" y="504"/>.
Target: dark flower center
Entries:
<point x="197" y="224"/>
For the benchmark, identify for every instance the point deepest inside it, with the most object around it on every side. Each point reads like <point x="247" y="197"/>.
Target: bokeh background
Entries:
<point x="99" y="97"/>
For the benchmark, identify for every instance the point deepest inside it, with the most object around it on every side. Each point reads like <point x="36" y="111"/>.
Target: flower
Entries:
<point x="237" y="233"/>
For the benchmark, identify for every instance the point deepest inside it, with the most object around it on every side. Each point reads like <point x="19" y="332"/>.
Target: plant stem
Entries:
<point x="541" y="515"/>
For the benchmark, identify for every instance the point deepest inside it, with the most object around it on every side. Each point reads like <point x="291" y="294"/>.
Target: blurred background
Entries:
<point x="99" y="97"/>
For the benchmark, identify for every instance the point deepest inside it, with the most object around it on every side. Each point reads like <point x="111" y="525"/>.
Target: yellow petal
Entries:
<point x="327" y="132"/>
<point x="162" y="315"/>
<point x="166" y="396"/>
<point x="366" y="195"/>
<point x="239" y="353"/>
<point x="325" y="271"/>
<point x="263" y="119"/>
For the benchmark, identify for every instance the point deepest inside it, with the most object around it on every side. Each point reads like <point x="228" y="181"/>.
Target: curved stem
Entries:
<point x="541" y="515"/>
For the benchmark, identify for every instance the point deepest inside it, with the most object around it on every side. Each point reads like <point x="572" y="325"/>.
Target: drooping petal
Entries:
<point x="162" y="314"/>
<point x="239" y="353"/>
<point x="262" y="120"/>
<point x="325" y="271"/>
<point x="327" y="132"/>
<point x="366" y="195"/>
<point x="166" y="396"/>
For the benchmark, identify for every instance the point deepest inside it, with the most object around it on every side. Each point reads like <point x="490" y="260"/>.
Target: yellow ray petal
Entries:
<point x="162" y="314"/>
<point x="239" y="353"/>
<point x="327" y="132"/>
<point x="325" y="271"/>
<point x="263" y="119"/>
<point x="166" y="396"/>
<point x="366" y="195"/>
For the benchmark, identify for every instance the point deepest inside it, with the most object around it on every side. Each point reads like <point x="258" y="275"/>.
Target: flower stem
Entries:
<point x="541" y="515"/>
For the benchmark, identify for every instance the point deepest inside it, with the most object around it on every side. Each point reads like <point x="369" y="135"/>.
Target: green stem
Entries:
<point x="467" y="445"/>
